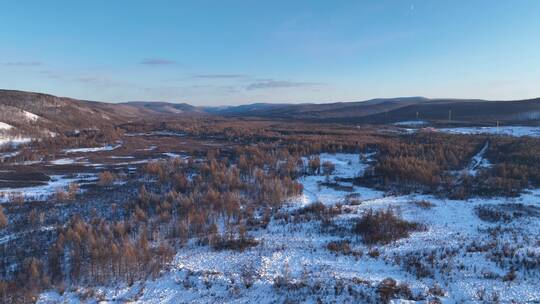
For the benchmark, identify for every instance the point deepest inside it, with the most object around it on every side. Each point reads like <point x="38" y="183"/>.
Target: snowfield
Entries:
<point x="5" y="126"/>
<point x="411" y="123"/>
<point x="30" y="116"/>
<point x="68" y="161"/>
<point x="504" y="130"/>
<point x="174" y="155"/>
<point x="6" y="155"/>
<point x="347" y="166"/>
<point x="13" y="140"/>
<point x="43" y="192"/>
<point x="95" y="149"/>
<point x="458" y="257"/>
<point x="158" y="133"/>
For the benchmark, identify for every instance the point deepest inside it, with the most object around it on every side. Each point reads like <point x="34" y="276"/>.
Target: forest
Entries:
<point x="223" y="192"/>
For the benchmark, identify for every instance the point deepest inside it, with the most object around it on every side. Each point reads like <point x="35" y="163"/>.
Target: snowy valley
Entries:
<point x="207" y="210"/>
<point x="477" y="249"/>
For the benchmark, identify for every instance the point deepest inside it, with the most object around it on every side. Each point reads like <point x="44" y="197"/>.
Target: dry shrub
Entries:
<point x="61" y="195"/>
<point x="389" y="289"/>
<point x="374" y="253"/>
<point x="316" y="211"/>
<point x="315" y="208"/>
<point x="3" y="218"/>
<point x="314" y="165"/>
<point x="418" y="266"/>
<point x="328" y="167"/>
<point x="106" y="178"/>
<point x="239" y="244"/>
<point x="73" y="189"/>
<point x="16" y="198"/>
<point x="352" y="199"/>
<point x="437" y="290"/>
<point x="490" y="214"/>
<point x="383" y="226"/>
<point x="424" y="204"/>
<point x="505" y="212"/>
<point x="342" y="246"/>
<point x="510" y="276"/>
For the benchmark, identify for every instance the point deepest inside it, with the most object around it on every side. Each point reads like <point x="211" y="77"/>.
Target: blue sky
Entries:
<point x="234" y="52"/>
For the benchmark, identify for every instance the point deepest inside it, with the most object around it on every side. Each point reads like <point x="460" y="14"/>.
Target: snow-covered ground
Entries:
<point x="13" y="140"/>
<point x="5" y="126"/>
<point x="95" y="149"/>
<point x="504" y="130"/>
<point x="411" y="123"/>
<point x="69" y="161"/>
<point x="151" y="148"/>
<point x="30" y="116"/>
<point x="347" y="166"/>
<point x="158" y="133"/>
<point x="175" y="155"/>
<point x="479" y="161"/>
<point x="5" y="155"/>
<point x="459" y="257"/>
<point x="44" y="192"/>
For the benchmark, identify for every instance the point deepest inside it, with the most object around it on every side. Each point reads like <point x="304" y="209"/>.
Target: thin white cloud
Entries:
<point x="22" y="63"/>
<point x="220" y="76"/>
<point x="278" y="84"/>
<point x="157" y="61"/>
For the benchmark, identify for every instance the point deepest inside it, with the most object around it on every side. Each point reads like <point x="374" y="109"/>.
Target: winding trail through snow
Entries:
<point x="478" y="160"/>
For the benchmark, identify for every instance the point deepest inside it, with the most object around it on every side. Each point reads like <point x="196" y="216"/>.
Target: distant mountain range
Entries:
<point x="324" y="111"/>
<point x="391" y="110"/>
<point x="67" y="113"/>
<point x="159" y="107"/>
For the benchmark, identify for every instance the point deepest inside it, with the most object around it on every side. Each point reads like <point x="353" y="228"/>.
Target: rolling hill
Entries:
<point x="391" y="110"/>
<point x="463" y="111"/>
<point x="159" y="107"/>
<point x="324" y="111"/>
<point x="27" y="110"/>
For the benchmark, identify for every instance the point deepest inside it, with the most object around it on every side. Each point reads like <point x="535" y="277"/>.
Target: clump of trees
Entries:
<point x="69" y="194"/>
<point x="421" y="161"/>
<point x="215" y="202"/>
<point x="328" y="168"/>
<point x="516" y="166"/>
<point x="106" y="178"/>
<point x="3" y="218"/>
<point x="436" y="163"/>
<point x="315" y="165"/>
<point x="100" y="252"/>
